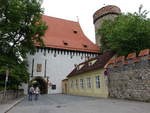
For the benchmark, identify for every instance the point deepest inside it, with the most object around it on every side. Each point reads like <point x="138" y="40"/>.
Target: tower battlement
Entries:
<point x="132" y="58"/>
<point x="110" y="9"/>
<point x="107" y="12"/>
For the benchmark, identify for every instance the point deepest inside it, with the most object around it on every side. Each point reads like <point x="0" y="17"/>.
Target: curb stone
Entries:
<point x="13" y="105"/>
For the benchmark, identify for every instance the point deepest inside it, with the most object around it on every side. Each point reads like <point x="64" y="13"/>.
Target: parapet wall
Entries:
<point x="129" y="78"/>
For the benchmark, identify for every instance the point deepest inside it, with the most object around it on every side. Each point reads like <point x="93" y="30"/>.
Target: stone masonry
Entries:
<point x="129" y="78"/>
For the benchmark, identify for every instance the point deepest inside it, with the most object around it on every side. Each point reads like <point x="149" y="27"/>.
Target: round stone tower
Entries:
<point x="107" y="12"/>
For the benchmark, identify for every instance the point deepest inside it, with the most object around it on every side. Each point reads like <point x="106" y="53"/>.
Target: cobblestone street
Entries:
<point x="75" y="104"/>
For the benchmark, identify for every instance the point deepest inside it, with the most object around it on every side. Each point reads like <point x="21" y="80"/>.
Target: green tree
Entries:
<point x="20" y="27"/>
<point x="126" y="33"/>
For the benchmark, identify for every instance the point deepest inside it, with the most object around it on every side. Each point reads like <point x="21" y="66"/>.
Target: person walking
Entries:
<point x="37" y="92"/>
<point x="31" y="92"/>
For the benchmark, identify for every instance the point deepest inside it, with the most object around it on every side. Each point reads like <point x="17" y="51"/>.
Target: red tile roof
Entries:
<point x="112" y="61"/>
<point x="131" y="56"/>
<point x="136" y="60"/>
<point x="144" y="52"/>
<point x="65" y="34"/>
<point x="120" y="58"/>
<point x="99" y="64"/>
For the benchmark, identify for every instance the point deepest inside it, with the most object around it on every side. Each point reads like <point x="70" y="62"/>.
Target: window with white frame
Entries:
<point x="76" y="83"/>
<point x="71" y="84"/>
<point x="89" y="85"/>
<point x="81" y="83"/>
<point x="97" y="82"/>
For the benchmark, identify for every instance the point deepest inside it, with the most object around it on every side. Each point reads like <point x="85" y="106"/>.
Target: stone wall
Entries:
<point x="10" y="95"/>
<point x="129" y="78"/>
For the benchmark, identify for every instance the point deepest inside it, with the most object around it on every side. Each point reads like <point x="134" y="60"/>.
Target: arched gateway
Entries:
<point x="41" y="83"/>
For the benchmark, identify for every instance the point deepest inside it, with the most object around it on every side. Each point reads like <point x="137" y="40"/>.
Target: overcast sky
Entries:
<point x="84" y="9"/>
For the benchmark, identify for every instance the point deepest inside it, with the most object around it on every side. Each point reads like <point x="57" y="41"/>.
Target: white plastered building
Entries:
<point x="65" y="46"/>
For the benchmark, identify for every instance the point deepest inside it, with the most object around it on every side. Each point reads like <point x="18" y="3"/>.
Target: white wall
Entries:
<point x="57" y="67"/>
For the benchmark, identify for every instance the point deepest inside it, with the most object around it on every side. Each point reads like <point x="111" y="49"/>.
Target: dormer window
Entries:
<point x="65" y="43"/>
<point x="75" y="65"/>
<point x="92" y="62"/>
<point x="80" y="66"/>
<point x="85" y="46"/>
<point x="75" y="32"/>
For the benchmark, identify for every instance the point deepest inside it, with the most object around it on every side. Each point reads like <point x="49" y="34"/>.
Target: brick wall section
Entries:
<point x="129" y="78"/>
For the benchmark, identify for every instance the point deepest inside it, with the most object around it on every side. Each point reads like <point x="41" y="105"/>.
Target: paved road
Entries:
<point x="75" y="104"/>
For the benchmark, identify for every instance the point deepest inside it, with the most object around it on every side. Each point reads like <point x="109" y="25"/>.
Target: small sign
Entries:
<point x="106" y="73"/>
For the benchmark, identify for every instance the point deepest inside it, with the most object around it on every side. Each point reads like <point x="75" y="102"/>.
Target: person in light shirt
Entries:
<point x="37" y="92"/>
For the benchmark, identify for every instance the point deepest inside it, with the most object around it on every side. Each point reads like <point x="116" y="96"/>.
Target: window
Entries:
<point x="89" y="85"/>
<point x="39" y="68"/>
<point x="97" y="82"/>
<point x="71" y="84"/>
<point x="75" y="32"/>
<point x="65" y="43"/>
<point x="80" y="66"/>
<point x="92" y="62"/>
<point x="81" y="83"/>
<point x="53" y="87"/>
<point x="85" y="46"/>
<point x="76" y="83"/>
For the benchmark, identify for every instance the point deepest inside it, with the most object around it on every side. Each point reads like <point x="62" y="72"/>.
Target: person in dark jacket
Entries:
<point x="31" y="92"/>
